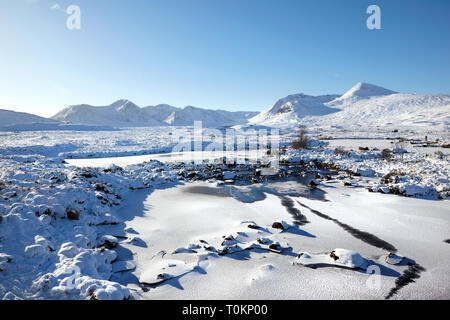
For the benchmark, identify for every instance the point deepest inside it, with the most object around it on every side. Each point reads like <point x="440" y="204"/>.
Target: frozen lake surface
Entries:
<point x="176" y="223"/>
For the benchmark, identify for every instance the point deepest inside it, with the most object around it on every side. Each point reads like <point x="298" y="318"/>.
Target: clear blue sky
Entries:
<point x="231" y="54"/>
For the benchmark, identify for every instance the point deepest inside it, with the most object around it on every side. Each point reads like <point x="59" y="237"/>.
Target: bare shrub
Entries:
<point x="390" y="177"/>
<point x="302" y="140"/>
<point x="386" y="154"/>
<point x="400" y="147"/>
<point x="340" y="151"/>
<point x="440" y="155"/>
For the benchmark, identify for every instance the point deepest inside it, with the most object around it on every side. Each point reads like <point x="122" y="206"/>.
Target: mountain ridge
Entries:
<point x="123" y="113"/>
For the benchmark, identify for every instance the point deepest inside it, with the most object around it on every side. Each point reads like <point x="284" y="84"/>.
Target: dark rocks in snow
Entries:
<point x="73" y="214"/>
<point x="109" y="242"/>
<point x="313" y="183"/>
<point x="348" y="184"/>
<point x="278" y="225"/>
<point x="334" y="256"/>
<point x="275" y="247"/>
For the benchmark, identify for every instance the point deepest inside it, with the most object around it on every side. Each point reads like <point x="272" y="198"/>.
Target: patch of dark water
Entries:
<point x="409" y="276"/>
<point x="299" y="218"/>
<point x="210" y="191"/>
<point x="250" y="193"/>
<point x="358" y="234"/>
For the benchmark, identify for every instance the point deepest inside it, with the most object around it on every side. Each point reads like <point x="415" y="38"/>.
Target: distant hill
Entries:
<point x="8" y="117"/>
<point x="124" y="113"/>
<point x="364" y="104"/>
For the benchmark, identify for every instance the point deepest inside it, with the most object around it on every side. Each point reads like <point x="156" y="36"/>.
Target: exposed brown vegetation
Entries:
<point x="302" y="140"/>
<point x="390" y="177"/>
<point x="341" y="151"/>
<point x="386" y="154"/>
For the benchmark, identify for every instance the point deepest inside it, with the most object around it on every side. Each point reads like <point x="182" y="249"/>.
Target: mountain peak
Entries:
<point x="365" y="90"/>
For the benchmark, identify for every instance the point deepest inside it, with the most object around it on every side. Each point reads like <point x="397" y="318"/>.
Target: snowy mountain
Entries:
<point x="209" y="118"/>
<point x="364" y="91"/>
<point x="400" y="109"/>
<point x="8" y="118"/>
<point x="292" y="108"/>
<point x="124" y="113"/>
<point x="362" y="105"/>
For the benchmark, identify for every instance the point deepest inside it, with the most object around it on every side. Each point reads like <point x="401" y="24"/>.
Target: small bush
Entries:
<point x="440" y="155"/>
<point x="390" y="177"/>
<point x="386" y="154"/>
<point x="341" y="151"/>
<point x="302" y="140"/>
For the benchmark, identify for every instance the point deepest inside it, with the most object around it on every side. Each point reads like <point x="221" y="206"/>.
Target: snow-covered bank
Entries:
<point x="51" y="245"/>
<point x="70" y="232"/>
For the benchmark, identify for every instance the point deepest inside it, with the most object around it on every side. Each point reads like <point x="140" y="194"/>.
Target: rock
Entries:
<point x="394" y="259"/>
<point x="109" y="242"/>
<point x="282" y="225"/>
<point x="138" y="242"/>
<point x="44" y="242"/>
<point x="35" y="250"/>
<point x="73" y="214"/>
<point x="68" y="250"/>
<point x="131" y="230"/>
<point x="278" y="225"/>
<point x="313" y="183"/>
<point x="228" y="175"/>
<point x="338" y="257"/>
<point x="163" y="270"/>
<point x="4" y="261"/>
<point x="275" y="247"/>
<point x="122" y="266"/>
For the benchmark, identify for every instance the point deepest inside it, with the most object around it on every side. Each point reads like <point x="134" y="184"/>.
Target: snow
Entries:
<point x="96" y="213"/>
<point x="337" y="257"/>
<point x="10" y="118"/>
<point x="201" y="223"/>
<point x="124" y="113"/>
<point x="365" y="90"/>
<point x="363" y="106"/>
<point x="292" y="108"/>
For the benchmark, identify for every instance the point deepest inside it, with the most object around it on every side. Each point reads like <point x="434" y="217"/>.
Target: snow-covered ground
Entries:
<point x="190" y="232"/>
<point x="153" y="229"/>
<point x="88" y="211"/>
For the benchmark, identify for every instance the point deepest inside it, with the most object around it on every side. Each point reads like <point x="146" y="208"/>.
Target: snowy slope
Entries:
<point x="362" y="105"/>
<point x="8" y="118"/>
<point x="395" y="109"/>
<point x="209" y="118"/>
<point x="364" y="91"/>
<point x="294" y="107"/>
<point x="124" y="113"/>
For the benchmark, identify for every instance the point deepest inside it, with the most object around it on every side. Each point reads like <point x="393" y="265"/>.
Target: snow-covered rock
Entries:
<point x="338" y="257"/>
